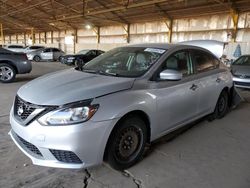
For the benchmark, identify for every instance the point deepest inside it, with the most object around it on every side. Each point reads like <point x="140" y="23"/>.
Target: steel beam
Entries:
<point x="235" y="18"/>
<point x="2" y="36"/>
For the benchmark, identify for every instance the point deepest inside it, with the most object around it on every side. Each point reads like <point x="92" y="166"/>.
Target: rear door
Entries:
<point x="209" y="79"/>
<point x="47" y="54"/>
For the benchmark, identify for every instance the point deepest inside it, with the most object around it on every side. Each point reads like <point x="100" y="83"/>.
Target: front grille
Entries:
<point x="242" y="84"/>
<point x="66" y="156"/>
<point x="30" y="146"/>
<point x="22" y="109"/>
<point x="242" y="76"/>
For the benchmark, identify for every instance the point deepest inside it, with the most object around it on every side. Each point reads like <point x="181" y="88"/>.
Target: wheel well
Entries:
<point x="11" y="64"/>
<point x="36" y="56"/>
<point x="139" y="113"/>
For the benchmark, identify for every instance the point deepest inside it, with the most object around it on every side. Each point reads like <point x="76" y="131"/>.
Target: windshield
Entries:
<point x="243" y="60"/>
<point x="125" y="61"/>
<point x="83" y="52"/>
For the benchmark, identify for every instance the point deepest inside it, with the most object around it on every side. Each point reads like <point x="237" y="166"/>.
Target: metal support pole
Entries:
<point x="98" y="35"/>
<point x="2" y="37"/>
<point x="127" y="33"/>
<point x="97" y="31"/>
<point x="39" y="38"/>
<point x="170" y="31"/>
<point x="32" y="36"/>
<point x="235" y="17"/>
<point x="75" y="40"/>
<point x="45" y="37"/>
<point x="24" y="37"/>
<point x="52" y="39"/>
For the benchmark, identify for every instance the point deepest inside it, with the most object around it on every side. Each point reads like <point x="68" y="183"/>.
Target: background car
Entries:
<point x="240" y="69"/>
<point x="15" y="48"/>
<point x="82" y="57"/>
<point x="12" y="63"/>
<point x="53" y="54"/>
<point x="32" y="48"/>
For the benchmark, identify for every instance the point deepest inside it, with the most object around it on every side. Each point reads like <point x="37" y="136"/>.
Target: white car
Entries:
<point x="15" y="48"/>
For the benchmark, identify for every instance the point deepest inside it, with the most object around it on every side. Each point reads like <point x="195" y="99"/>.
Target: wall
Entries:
<point x="216" y="27"/>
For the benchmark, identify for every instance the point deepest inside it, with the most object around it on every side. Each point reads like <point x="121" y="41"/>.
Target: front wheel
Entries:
<point x="126" y="143"/>
<point x="7" y="73"/>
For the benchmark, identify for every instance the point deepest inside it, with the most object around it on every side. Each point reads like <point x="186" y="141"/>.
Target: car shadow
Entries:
<point x="171" y="136"/>
<point x="25" y="78"/>
<point x="150" y="148"/>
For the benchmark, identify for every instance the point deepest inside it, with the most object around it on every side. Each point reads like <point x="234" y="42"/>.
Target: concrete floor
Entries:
<point x="206" y="155"/>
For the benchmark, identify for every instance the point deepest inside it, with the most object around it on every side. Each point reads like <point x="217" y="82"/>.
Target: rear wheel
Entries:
<point x="126" y="143"/>
<point x="7" y="73"/>
<point x="221" y="108"/>
<point x="37" y="58"/>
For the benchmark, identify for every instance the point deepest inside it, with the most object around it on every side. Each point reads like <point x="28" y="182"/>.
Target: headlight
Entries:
<point x="68" y="116"/>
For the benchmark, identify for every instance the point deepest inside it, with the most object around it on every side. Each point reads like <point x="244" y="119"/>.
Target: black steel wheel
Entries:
<point x="221" y="108"/>
<point x="126" y="143"/>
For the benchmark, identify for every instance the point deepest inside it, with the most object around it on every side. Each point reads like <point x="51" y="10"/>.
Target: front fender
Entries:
<point x="116" y="105"/>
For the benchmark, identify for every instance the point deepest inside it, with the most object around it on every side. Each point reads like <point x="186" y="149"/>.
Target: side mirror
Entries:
<point x="170" y="74"/>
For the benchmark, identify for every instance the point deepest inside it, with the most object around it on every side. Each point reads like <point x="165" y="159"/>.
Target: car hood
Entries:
<point x="241" y="70"/>
<point x="70" y="86"/>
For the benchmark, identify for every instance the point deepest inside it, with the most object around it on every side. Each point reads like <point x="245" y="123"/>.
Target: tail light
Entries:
<point x="25" y="56"/>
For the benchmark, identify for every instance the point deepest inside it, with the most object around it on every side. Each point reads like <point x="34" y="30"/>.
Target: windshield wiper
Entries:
<point x="107" y="73"/>
<point x="90" y="71"/>
<point x="100" y="72"/>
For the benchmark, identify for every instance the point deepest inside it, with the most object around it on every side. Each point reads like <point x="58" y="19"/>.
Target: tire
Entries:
<point x="126" y="143"/>
<point x="221" y="108"/>
<point x="7" y="73"/>
<point x="79" y="63"/>
<point x="59" y="59"/>
<point x="36" y="58"/>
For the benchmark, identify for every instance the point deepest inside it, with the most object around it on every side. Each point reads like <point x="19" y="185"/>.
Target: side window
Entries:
<point x="99" y="52"/>
<point x="55" y="50"/>
<point x="179" y="61"/>
<point x="204" y="61"/>
<point x="46" y="50"/>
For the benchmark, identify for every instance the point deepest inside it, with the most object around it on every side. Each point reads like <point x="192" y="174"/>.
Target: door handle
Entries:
<point x="193" y="87"/>
<point x="218" y="80"/>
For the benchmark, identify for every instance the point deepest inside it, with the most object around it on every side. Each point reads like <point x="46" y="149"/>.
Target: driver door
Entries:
<point x="177" y="100"/>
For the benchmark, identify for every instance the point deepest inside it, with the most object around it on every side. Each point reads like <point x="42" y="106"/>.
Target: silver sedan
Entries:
<point x="241" y="72"/>
<point x="115" y="104"/>
<point x="47" y="54"/>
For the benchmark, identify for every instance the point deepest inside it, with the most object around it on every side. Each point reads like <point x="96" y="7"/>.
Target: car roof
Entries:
<point x="165" y="46"/>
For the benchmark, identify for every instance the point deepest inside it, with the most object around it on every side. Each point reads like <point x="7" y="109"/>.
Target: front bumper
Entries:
<point x="68" y="61"/>
<point x="242" y="82"/>
<point x="87" y="141"/>
<point x="24" y="67"/>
